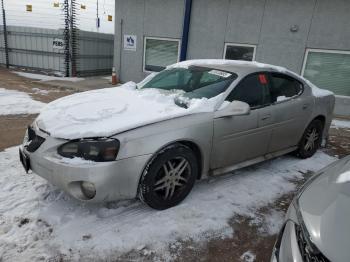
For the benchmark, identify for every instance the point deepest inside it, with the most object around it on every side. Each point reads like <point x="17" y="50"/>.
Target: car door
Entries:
<point x="290" y="111"/>
<point x="239" y="138"/>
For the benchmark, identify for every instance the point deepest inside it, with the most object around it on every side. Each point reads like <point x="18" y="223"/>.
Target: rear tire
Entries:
<point x="311" y="140"/>
<point x="169" y="177"/>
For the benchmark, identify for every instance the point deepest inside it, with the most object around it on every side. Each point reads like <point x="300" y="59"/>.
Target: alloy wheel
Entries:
<point x="172" y="178"/>
<point x="311" y="141"/>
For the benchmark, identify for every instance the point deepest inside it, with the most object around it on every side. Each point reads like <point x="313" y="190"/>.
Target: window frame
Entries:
<point x="241" y="45"/>
<point x="316" y="50"/>
<point x="268" y="89"/>
<point x="158" y="38"/>
<point x="287" y="76"/>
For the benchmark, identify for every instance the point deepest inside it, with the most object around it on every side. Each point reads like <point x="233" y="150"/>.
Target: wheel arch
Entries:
<point x="322" y="118"/>
<point x="186" y="142"/>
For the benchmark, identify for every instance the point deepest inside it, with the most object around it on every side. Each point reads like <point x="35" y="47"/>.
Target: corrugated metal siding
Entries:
<point x="33" y="48"/>
<point x="95" y="53"/>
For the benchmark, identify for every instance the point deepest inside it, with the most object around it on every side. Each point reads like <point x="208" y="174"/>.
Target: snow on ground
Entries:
<point x="336" y="123"/>
<point x="248" y="256"/>
<point x="44" y="78"/>
<point x="38" y="221"/>
<point x="14" y="102"/>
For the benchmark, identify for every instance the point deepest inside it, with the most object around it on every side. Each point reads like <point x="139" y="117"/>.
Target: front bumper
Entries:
<point x="286" y="247"/>
<point x="114" y="180"/>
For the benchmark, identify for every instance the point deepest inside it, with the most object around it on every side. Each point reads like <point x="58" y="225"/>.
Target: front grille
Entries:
<point x="305" y="249"/>
<point x="34" y="141"/>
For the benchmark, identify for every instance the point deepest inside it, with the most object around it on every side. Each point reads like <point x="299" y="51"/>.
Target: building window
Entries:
<point x="328" y="69"/>
<point x="159" y="53"/>
<point x="239" y="52"/>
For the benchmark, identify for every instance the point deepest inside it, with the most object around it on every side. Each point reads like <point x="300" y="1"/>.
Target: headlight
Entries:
<point x="98" y="150"/>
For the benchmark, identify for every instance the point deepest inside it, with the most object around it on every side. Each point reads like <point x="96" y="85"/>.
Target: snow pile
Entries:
<point x="336" y="123"/>
<point x="44" y="78"/>
<point x="38" y="221"/>
<point x="109" y="111"/>
<point x="248" y="256"/>
<point x="14" y="102"/>
<point x="40" y="91"/>
<point x="282" y="98"/>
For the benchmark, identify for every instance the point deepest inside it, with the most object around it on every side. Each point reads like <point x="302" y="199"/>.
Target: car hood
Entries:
<point x="325" y="208"/>
<point x="105" y="112"/>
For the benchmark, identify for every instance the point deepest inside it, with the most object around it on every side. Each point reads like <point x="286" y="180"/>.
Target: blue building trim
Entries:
<point x="185" y="30"/>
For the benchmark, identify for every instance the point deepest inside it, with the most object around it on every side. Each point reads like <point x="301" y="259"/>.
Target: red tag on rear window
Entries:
<point x="262" y="79"/>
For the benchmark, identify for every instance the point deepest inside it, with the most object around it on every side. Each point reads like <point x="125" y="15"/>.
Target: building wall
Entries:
<point x="265" y="23"/>
<point x="157" y="18"/>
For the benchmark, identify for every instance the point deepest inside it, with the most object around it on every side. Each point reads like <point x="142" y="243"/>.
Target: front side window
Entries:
<point x="283" y="87"/>
<point x="251" y="90"/>
<point x="329" y="70"/>
<point x="192" y="82"/>
<point x="239" y="52"/>
<point x="159" y="53"/>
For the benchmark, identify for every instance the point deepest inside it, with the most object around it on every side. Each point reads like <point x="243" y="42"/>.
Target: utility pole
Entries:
<point x="5" y="34"/>
<point x="97" y="18"/>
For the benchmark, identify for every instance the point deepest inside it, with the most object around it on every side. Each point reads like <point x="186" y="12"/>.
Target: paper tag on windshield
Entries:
<point x="220" y="73"/>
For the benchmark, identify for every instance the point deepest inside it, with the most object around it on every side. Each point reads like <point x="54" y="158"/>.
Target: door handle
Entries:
<point x="305" y="106"/>
<point x="265" y="117"/>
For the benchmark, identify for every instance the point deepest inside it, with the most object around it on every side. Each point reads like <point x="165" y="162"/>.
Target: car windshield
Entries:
<point x="193" y="82"/>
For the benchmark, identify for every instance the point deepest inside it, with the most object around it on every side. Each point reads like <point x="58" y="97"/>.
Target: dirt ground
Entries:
<point x="12" y="127"/>
<point x="247" y="235"/>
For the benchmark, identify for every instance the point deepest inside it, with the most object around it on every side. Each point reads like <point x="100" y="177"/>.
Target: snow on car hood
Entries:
<point x="109" y="111"/>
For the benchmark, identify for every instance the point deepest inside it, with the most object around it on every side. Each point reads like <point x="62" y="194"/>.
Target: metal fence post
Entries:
<point x="5" y="35"/>
<point x="66" y="38"/>
<point x="74" y="37"/>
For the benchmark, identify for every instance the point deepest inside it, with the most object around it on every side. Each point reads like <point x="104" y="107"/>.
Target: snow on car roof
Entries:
<point x="244" y="67"/>
<point x="229" y="65"/>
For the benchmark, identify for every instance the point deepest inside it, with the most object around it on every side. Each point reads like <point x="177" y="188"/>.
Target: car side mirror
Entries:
<point x="235" y="108"/>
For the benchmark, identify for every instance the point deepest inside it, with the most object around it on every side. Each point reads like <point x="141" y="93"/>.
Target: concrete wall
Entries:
<point x="322" y="24"/>
<point x="263" y="23"/>
<point x="156" y="18"/>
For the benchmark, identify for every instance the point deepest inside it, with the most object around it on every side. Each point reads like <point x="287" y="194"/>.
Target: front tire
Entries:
<point x="311" y="140"/>
<point x="169" y="177"/>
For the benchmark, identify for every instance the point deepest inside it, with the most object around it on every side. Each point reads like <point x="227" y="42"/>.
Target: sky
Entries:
<point x="44" y="14"/>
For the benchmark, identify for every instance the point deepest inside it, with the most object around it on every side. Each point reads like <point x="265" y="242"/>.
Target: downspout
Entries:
<point x="185" y="30"/>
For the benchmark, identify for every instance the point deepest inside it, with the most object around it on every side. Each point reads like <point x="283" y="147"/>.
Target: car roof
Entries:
<point x="234" y="66"/>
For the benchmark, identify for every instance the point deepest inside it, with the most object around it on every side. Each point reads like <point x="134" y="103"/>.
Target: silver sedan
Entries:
<point x="317" y="224"/>
<point x="193" y="120"/>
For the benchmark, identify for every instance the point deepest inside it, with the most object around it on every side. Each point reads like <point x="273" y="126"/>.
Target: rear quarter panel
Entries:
<point x="324" y="106"/>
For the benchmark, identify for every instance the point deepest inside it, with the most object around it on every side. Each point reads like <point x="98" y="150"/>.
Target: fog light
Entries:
<point x="88" y="189"/>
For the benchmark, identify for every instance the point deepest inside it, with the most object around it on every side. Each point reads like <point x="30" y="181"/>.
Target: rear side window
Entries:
<point x="284" y="87"/>
<point x="252" y="90"/>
